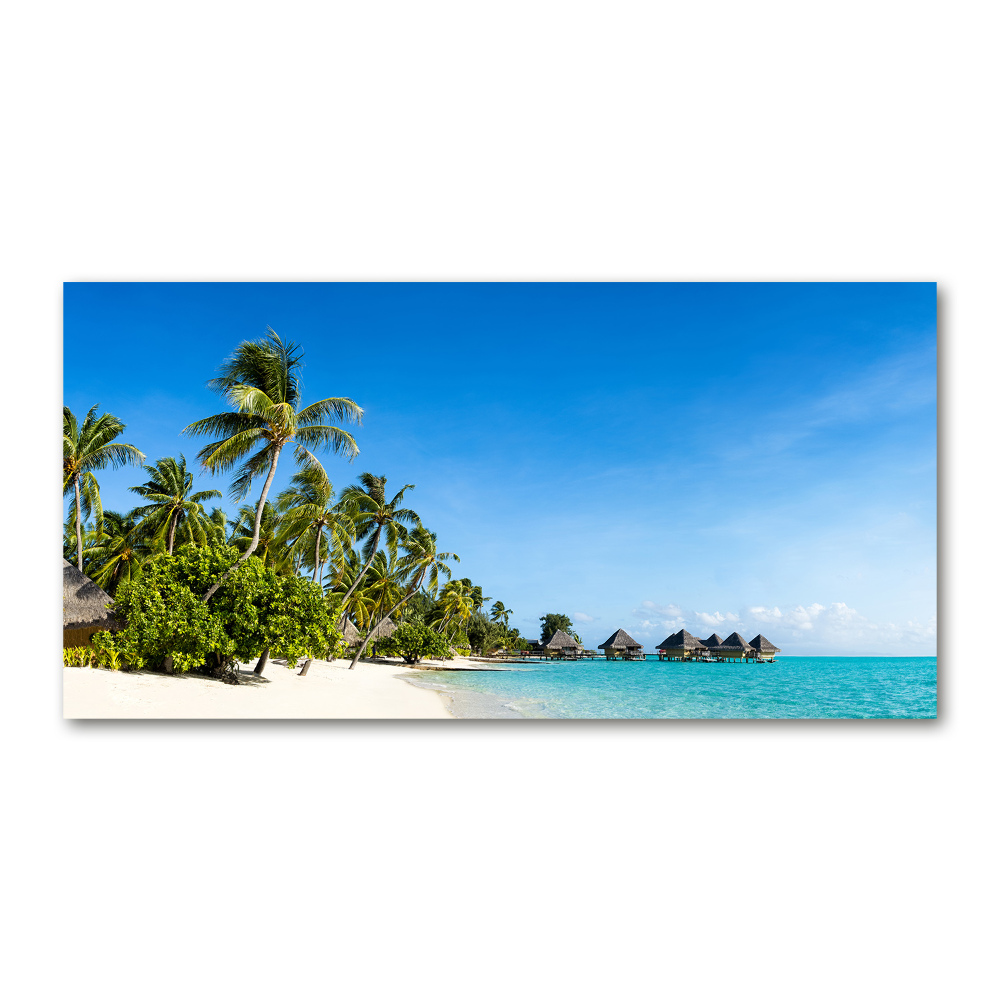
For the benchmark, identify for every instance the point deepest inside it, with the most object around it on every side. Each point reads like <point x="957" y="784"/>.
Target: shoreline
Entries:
<point x="463" y="703"/>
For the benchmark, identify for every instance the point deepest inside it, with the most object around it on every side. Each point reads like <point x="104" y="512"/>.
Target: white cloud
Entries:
<point x="727" y="619"/>
<point x="580" y="616"/>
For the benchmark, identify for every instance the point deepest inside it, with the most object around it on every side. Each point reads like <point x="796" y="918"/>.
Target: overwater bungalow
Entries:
<point x="681" y="645"/>
<point x="563" y="646"/>
<point x="735" y="647"/>
<point x="712" y="641"/>
<point x="86" y="608"/>
<point x="622" y="646"/>
<point x="766" y="649"/>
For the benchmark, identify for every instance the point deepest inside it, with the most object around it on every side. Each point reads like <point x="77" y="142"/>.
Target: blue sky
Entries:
<point x="758" y="457"/>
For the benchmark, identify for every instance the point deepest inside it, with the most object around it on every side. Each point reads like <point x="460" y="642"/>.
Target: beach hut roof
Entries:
<point x="681" y="640"/>
<point x="385" y="629"/>
<point x="350" y="631"/>
<point x="84" y="603"/>
<point x="666" y="642"/>
<point x="620" y="640"/>
<point x="763" y="645"/>
<point x="736" y="641"/>
<point x="562" y="641"/>
<point x="713" y="640"/>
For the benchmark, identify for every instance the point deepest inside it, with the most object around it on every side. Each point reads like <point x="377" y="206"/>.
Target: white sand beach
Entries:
<point x="328" y="691"/>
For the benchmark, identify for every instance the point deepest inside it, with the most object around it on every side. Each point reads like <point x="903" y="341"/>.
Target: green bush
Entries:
<point x="255" y="609"/>
<point x="414" y="642"/>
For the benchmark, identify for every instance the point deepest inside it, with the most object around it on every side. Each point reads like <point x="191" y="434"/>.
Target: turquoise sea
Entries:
<point x="792" y="687"/>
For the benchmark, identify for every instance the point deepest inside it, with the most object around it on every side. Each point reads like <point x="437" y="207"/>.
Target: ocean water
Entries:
<point x="792" y="687"/>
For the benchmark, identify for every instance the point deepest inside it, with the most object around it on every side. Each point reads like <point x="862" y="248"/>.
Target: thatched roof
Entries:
<point x="351" y="634"/>
<point x="666" y="642"/>
<point x="562" y="641"/>
<point x="713" y="640"/>
<point x="681" y="640"/>
<point x="736" y="641"/>
<point x="385" y="629"/>
<point x="620" y="640"/>
<point x="763" y="645"/>
<point x="84" y="603"/>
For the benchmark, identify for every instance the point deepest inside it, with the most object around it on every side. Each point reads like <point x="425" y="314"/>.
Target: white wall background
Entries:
<point x="553" y="140"/>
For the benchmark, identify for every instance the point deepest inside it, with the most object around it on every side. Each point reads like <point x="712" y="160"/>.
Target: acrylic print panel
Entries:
<point x="500" y="500"/>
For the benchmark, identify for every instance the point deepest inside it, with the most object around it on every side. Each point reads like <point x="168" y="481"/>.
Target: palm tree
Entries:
<point x="215" y="527"/>
<point x="119" y="551"/>
<point x="309" y="512"/>
<point x="455" y="602"/>
<point x="500" y="614"/>
<point x="87" y="449"/>
<point x="422" y="561"/>
<point x="373" y="516"/>
<point x="271" y="549"/>
<point x="173" y="504"/>
<point x="260" y="381"/>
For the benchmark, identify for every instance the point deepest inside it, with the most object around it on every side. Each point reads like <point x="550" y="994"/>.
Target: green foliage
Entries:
<point x="255" y="609"/>
<point x="552" y="623"/>
<point x="483" y="634"/>
<point x="519" y="642"/>
<point x="105" y="653"/>
<point x="414" y="642"/>
<point x="78" y="656"/>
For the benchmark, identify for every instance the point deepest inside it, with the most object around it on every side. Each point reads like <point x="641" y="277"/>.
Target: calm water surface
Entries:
<point x="793" y="687"/>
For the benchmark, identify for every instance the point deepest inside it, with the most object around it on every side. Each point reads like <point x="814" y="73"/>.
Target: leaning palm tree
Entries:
<point x="374" y="516"/>
<point x="313" y="519"/>
<point x="86" y="449"/>
<point x="173" y="504"/>
<point x="260" y="381"/>
<point x="421" y="562"/>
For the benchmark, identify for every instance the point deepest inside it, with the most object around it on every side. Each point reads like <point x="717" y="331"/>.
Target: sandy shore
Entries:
<point x="328" y="691"/>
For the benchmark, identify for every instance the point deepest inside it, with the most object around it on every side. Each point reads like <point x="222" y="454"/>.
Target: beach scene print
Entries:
<point x="502" y="500"/>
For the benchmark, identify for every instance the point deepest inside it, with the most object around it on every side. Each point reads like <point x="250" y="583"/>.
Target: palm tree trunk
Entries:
<point x="361" y="575"/>
<point x="79" y="527"/>
<point x="389" y="614"/>
<point x="256" y="529"/>
<point x="262" y="662"/>
<point x="170" y="535"/>
<point x="316" y="571"/>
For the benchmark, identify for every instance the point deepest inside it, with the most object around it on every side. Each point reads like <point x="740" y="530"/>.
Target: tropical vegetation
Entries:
<point x="283" y="577"/>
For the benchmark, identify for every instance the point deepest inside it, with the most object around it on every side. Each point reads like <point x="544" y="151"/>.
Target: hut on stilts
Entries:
<point x="86" y="608"/>
<point x="622" y="646"/>
<point x="735" y="647"/>
<point x="681" y="645"/>
<point x="766" y="649"/>
<point x="563" y="645"/>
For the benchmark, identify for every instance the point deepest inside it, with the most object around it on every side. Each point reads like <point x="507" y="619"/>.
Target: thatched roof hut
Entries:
<point x="621" y="643"/>
<point x="765" y="648"/>
<point x="681" y="640"/>
<point x="733" y="646"/>
<point x="351" y="635"/>
<point x="680" y="645"/>
<point x="384" y="630"/>
<point x="563" y="644"/>
<point x="86" y="608"/>
<point x="712" y="641"/>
